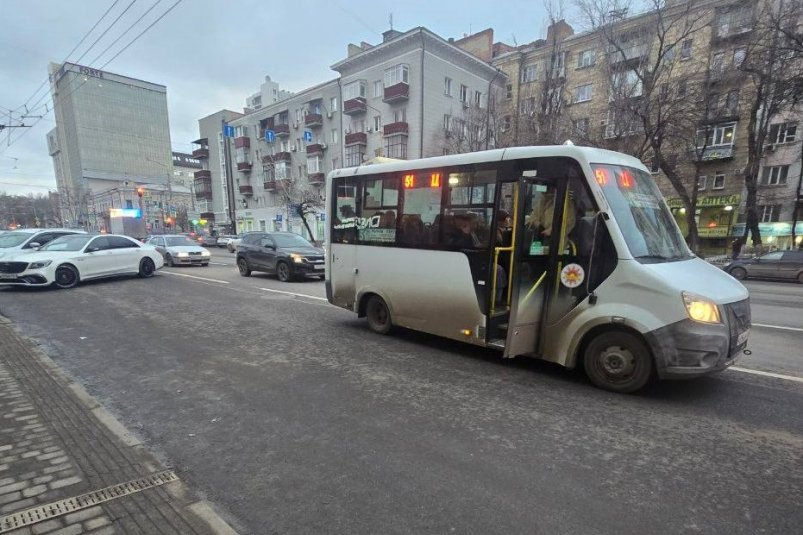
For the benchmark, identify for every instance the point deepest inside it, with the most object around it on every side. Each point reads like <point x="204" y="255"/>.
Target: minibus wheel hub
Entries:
<point x="617" y="361"/>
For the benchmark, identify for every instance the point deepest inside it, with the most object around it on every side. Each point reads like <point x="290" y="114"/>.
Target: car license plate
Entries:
<point x="10" y="276"/>
<point x="320" y="266"/>
<point x="743" y="337"/>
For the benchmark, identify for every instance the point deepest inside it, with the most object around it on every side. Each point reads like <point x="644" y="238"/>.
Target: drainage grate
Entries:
<point x="90" y="499"/>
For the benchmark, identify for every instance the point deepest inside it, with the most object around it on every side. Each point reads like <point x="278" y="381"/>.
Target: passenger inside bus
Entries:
<point x="464" y="236"/>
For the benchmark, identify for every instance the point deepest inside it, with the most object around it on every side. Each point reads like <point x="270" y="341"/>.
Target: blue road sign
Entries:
<point x="323" y="216"/>
<point x="278" y="218"/>
<point x="228" y="131"/>
<point x="270" y="136"/>
<point x="307" y="136"/>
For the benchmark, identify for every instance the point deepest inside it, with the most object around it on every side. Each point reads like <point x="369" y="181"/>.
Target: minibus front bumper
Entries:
<point x="689" y="348"/>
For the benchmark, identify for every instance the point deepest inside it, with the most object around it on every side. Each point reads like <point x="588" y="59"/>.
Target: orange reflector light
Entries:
<point x="409" y="181"/>
<point x="466" y="332"/>
<point x="601" y="174"/>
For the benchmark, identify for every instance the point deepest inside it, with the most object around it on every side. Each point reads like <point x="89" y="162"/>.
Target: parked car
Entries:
<point x="29" y="239"/>
<point x="206" y="240"/>
<point x="224" y="239"/>
<point x="68" y="260"/>
<point x="178" y="250"/>
<point x="234" y="243"/>
<point x="786" y="265"/>
<point x="287" y="255"/>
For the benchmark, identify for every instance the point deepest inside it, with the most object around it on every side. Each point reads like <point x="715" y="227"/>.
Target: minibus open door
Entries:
<point x="538" y="232"/>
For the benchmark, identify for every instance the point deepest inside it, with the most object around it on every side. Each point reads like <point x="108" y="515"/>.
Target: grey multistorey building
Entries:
<point x="112" y="132"/>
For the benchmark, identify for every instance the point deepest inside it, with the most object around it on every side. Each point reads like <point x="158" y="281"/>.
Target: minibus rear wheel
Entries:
<point x="378" y="315"/>
<point x="618" y="361"/>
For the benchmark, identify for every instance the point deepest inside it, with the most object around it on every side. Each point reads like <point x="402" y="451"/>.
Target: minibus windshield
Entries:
<point x="646" y="223"/>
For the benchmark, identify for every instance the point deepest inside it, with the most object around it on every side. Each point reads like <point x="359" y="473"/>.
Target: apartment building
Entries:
<point x="571" y="86"/>
<point x="213" y="183"/>
<point x="269" y="93"/>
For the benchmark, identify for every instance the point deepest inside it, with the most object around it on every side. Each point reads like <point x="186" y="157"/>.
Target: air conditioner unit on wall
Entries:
<point x="328" y="114"/>
<point x="294" y="148"/>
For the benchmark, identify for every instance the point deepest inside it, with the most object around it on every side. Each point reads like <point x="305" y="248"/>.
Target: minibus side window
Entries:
<point x="379" y="211"/>
<point x="344" y="220"/>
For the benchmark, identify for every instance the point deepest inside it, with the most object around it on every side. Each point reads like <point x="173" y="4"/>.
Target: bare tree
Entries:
<point x="773" y="66"/>
<point x="650" y="114"/>
<point x="473" y="129"/>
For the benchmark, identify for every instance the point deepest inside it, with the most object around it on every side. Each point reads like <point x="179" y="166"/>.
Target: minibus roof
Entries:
<point x="588" y="154"/>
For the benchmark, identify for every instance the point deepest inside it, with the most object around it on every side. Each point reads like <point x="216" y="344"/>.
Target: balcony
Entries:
<point x="282" y="157"/>
<point x="355" y="106"/>
<point x="315" y="148"/>
<point x="726" y="34"/>
<point x="626" y="53"/>
<point x="392" y="129"/>
<point x="203" y="173"/>
<point x="245" y="167"/>
<point x="282" y="129"/>
<point x="201" y="154"/>
<point x="356" y="138"/>
<point x="246" y="190"/>
<point x="316" y="179"/>
<point x="722" y="114"/>
<point x="313" y="120"/>
<point x="242" y="142"/>
<point x="711" y="154"/>
<point x="209" y="216"/>
<point x="396" y="92"/>
<point x="270" y="185"/>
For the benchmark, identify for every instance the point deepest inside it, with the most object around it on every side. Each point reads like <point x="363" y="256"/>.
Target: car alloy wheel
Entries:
<point x="738" y="273"/>
<point x="242" y="265"/>
<point x="283" y="271"/>
<point x="66" y="277"/>
<point x="146" y="268"/>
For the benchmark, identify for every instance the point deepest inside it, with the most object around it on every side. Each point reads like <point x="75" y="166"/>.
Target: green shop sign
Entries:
<point x="783" y="228"/>
<point x="708" y="201"/>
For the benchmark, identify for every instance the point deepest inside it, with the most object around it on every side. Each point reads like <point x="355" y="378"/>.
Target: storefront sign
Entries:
<point x="708" y="201"/>
<point x="783" y="228"/>
<point x="90" y="72"/>
<point x="712" y="232"/>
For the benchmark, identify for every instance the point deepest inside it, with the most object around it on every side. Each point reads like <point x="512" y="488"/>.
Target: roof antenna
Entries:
<point x="390" y="20"/>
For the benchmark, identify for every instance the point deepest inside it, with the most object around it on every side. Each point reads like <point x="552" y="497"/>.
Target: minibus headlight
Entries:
<point x="701" y="309"/>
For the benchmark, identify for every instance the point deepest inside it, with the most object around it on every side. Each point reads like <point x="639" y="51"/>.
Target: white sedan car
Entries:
<point x="66" y="261"/>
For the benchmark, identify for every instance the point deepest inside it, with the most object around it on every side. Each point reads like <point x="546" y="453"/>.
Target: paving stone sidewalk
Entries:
<point x="56" y="443"/>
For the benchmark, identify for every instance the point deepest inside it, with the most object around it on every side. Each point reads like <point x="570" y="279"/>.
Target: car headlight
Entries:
<point x="182" y="255"/>
<point x="40" y="264"/>
<point x="204" y="253"/>
<point x="297" y="258"/>
<point x="701" y="309"/>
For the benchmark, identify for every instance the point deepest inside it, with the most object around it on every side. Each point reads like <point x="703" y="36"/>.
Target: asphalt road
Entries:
<point x="293" y="418"/>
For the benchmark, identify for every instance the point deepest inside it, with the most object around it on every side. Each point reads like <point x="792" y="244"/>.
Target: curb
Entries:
<point x="178" y="490"/>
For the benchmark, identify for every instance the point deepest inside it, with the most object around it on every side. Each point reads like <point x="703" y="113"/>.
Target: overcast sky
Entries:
<point x="211" y="54"/>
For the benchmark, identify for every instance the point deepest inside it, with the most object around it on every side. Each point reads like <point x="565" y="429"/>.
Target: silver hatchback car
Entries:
<point x="782" y="265"/>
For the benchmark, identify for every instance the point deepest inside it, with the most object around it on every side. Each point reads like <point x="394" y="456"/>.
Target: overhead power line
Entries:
<point x="126" y="31"/>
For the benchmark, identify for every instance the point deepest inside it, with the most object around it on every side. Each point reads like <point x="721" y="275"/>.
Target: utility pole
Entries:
<point x="229" y="178"/>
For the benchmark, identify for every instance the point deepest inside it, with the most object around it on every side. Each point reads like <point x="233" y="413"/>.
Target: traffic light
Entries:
<point x="140" y="192"/>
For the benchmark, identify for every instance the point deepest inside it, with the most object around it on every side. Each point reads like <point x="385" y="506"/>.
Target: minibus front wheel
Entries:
<point x="618" y="361"/>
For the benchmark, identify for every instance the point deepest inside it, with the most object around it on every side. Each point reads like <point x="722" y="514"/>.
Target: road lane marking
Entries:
<point x="294" y="294"/>
<point x="218" y="264"/>
<point x="767" y="374"/>
<point x="194" y="277"/>
<point x="782" y="327"/>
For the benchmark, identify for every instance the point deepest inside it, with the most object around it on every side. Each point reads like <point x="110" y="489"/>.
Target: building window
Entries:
<point x="775" y="175"/>
<point x="281" y="171"/>
<point x="782" y="133"/>
<point x="528" y="106"/>
<point x="463" y="93"/>
<point x="478" y="99"/>
<point x="506" y="121"/>
<point x="734" y="20"/>
<point x="333" y="104"/>
<point x="447" y="122"/>
<point x="397" y="74"/>
<point x="354" y="90"/>
<point x="580" y="127"/>
<point x="627" y="84"/>
<point x="334" y="137"/>
<point x="769" y="213"/>
<point x="314" y="165"/>
<point x="685" y="49"/>
<point x="586" y="58"/>
<point x="378" y="91"/>
<point x="738" y="57"/>
<point x="298" y="115"/>
<point x="447" y="87"/>
<point x="241" y="131"/>
<point x="528" y="73"/>
<point x="583" y="93"/>
<point x="719" y="181"/>
<point x="721" y="135"/>
<point x="377" y="122"/>
<point x="701" y="183"/>
<point x="400" y="115"/>
<point x="396" y="147"/>
<point x="682" y="89"/>
<point x="732" y="102"/>
<point x="509" y="91"/>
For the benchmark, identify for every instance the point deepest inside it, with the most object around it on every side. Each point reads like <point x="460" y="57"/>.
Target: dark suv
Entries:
<point x="786" y="265"/>
<point x="287" y="255"/>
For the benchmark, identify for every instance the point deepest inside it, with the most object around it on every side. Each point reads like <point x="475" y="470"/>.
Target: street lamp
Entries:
<point x="728" y="209"/>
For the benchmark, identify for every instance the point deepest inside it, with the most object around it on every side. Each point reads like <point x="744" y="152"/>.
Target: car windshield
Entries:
<point x="290" y="240"/>
<point x="175" y="241"/>
<point x="73" y="242"/>
<point x="12" y="239"/>
<point x="651" y="233"/>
